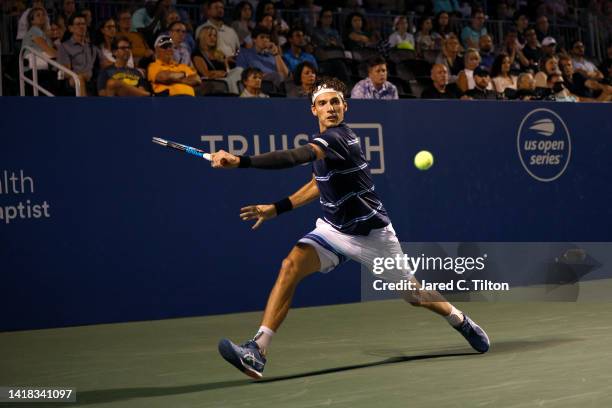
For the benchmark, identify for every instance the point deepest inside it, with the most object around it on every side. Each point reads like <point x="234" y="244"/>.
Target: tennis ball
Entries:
<point x="423" y="160"/>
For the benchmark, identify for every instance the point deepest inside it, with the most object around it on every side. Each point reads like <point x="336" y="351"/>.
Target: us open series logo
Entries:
<point x="544" y="145"/>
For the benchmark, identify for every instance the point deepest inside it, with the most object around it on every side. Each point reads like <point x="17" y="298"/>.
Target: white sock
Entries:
<point x="455" y="318"/>
<point x="263" y="338"/>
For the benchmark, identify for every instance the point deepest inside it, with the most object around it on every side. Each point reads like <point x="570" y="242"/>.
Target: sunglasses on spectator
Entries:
<point x="165" y="46"/>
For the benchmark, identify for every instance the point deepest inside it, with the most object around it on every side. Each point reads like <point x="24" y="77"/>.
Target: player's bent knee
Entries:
<point x="289" y="270"/>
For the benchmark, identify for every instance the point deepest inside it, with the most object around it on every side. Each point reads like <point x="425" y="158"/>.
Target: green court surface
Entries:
<point x="376" y="354"/>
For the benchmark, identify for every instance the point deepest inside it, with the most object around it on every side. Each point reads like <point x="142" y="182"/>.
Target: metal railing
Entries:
<point x="36" y="87"/>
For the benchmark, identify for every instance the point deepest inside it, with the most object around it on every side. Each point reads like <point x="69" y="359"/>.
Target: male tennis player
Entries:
<point x="355" y="225"/>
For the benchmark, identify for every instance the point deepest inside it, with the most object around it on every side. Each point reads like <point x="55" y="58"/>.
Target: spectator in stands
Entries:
<point x="106" y="33"/>
<point x="325" y="35"/>
<point x="447" y="6"/>
<point x="212" y="63"/>
<point x="78" y="55"/>
<point x="304" y="77"/>
<point x="356" y="33"/>
<point x="503" y="11"/>
<point x="465" y="79"/>
<point x="140" y="48"/>
<point x="549" y="47"/>
<point x="470" y="35"/>
<point x="500" y="72"/>
<point x="526" y="87"/>
<point x="56" y="32"/>
<point x="24" y="25"/>
<point x="582" y="86"/>
<point x="450" y="58"/>
<point x="309" y="15"/>
<point x="227" y="39"/>
<point x="267" y="7"/>
<point x="148" y="19"/>
<point x="119" y="79"/>
<point x="512" y="47"/>
<point x="560" y="92"/>
<point x="606" y="63"/>
<point x="36" y="37"/>
<point x="251" y="80"/>
<point x="548" y="65"/>
<point x="243" y="21"/>
<point x="424" y="38"/>
<point x="375" y="86"/>
<point x="531" y="50"/>
<point x="442" y="29"/>
<point x="167" y="77"/>
<point x="401" y="38"/>
<point x="485" y="49"/>
<point x="582" y="65"/>
<point x="182" y="52"/>
<point x="67" y="11"/>
<point x="521" y="23"/>
<point x="542" y="29"/>
<point x="91" y="31"/>
<point x="295" y="54"/>
<point x="440" y="88"/>
<point x="482" y="85"/>
<point x="264" y="55"/>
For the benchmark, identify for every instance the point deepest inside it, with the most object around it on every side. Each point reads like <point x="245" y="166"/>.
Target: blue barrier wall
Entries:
<point x="100" y="225"/>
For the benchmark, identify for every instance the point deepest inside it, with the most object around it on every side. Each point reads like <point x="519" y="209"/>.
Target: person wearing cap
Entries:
<point x="354" y="225"/>
<point x="375" y="86"/>
<point x="549" y="45"/>
<point x="166" y="75"/>
<point x="482" y="81"/>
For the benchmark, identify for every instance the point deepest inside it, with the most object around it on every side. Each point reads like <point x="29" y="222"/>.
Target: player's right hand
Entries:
<point x="224" y="160"/>
<point x="261" y="213"/>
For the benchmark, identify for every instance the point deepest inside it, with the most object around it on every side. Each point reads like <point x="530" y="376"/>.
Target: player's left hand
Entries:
<point x="224" y="160"/>
<point x="261" y="213"/>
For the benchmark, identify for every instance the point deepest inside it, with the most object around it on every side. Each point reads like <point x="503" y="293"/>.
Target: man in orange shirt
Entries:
<point x="168" y="77"/>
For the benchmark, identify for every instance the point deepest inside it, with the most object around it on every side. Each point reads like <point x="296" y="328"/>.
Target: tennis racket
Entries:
<point x="184" y="148"/>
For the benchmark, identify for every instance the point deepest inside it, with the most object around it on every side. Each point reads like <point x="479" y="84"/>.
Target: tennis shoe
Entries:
<point x="246" y="357"/>
<point x="474" y="334"/>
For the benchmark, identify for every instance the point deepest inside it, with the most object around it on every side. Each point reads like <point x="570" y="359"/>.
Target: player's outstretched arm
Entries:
<point x="263" y="212"/>
<point x="273" y="160"/>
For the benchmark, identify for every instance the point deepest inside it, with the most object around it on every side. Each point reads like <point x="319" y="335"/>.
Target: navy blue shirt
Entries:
<point x="346" y="189"/>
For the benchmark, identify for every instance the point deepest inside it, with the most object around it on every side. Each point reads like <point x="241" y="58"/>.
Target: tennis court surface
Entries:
<point x="375" y="354"/>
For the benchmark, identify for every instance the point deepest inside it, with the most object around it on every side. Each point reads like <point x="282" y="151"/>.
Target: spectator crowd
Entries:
<point x="265" y="48"/>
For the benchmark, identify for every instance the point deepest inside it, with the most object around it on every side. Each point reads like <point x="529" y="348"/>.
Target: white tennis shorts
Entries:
<point x="335" y="247"/>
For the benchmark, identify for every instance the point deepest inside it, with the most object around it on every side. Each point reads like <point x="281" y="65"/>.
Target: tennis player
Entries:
<point x="355" y="225"/>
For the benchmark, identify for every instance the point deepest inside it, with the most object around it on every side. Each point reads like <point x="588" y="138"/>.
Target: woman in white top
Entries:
<point x="36" y="36"/>
<point x="465" y="79"/>
<point x="500" y="72"/>
<point x="401" y="38"/>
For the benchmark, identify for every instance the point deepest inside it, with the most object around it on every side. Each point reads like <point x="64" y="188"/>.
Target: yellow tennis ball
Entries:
<point x="423" y="160"/>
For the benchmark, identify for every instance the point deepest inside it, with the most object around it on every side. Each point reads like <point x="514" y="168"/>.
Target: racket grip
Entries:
<point x="193" y="151"/>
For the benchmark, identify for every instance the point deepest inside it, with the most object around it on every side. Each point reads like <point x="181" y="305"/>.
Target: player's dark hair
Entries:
<point x="329" y="82"/>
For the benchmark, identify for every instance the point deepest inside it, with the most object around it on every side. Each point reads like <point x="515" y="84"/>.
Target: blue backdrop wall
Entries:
<point x="97" y="224"/>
